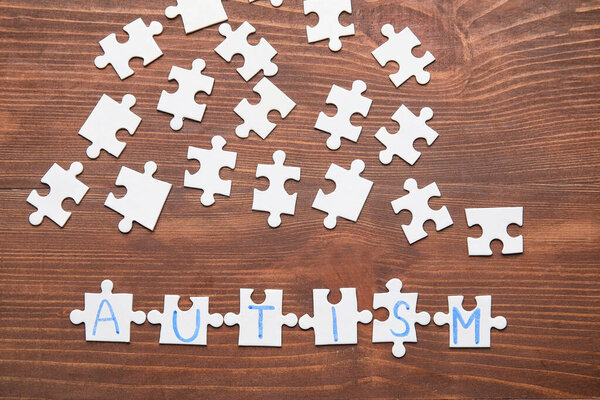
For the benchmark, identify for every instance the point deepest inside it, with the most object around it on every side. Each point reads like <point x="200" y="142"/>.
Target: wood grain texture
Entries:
<point x="516" y="93"/>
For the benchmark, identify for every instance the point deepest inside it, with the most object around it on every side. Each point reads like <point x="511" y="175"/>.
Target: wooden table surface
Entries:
<point x="516" y="93"/>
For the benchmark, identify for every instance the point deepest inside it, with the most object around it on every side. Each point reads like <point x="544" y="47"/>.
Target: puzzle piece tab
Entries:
<point x="494" y="222"/>
<point x="63" y="184"/>
<point x="197" y="14"/>
<point x="329" y="26"/>
<point x="274" y="3"/>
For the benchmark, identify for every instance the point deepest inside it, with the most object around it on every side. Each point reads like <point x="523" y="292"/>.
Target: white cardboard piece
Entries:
<point x="494" y="222"/>
<point x="197" y="14"/>
<point x="329" y="26"/>
<point x="274" y="3"/>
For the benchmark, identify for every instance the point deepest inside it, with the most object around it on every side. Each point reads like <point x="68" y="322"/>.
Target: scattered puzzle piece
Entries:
<point x="260" y="324"/>
<point x="140" y="44"/>
<point x="329" y="26"/>
<point x="470" y="328"/>
<point x="197" y="14"/>
<point x="144" y="199"/>
<point x="207" y="178"/>
<point x="411" y="128"/>
<point x="63" y="184"/>
<point x="348" y="198"/>
<point x="274" y="3"/>
<point x="494" y="222"/>
<point x="348" y="102"/>
<point x="182" y="103"/>
<point x="107" y="316"/>
<point x="256" y="116"/>
<point x="399" y="48"/>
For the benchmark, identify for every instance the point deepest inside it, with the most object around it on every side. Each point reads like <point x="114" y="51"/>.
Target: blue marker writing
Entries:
<point x="260" y="309"/>
<point x="334" y="323"/>
<point x="406" y="325"/>
<point x="457" y="317"/>
<point x="105" y="319"/>
<point x="196" y="331"/>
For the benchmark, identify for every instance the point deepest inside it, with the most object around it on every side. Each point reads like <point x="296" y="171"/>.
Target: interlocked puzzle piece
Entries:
<point x="63" y="184"/>
<point x="411" y="128"/>
<point x="274" y="3"/>
<point x="329" y="26"/>
<point x="256" y="58"/>
<point x="182" y="103"/>
<point x="275" y="200"/>
<point x="144" y="200"/>
<point x="399" y="328"/>
<point x="256" y="116"/>
<point x="207" y="177"/>
<point x="184" y="327"/>
<point x="107" y="316"/>
<point x="493" y="222"/>
<point x="417" y="203"/>
<point x="105" y="120"/>
<point x="335" y="323"/>
<point x="399" y="48"/>
<point x="348" y="198"/>
<point x="260" y="324"/>
<point x="470" y="328"/>
<point x="140" y="44"/>
<point x="197" y="14"/>
<point x="348" y="102"/>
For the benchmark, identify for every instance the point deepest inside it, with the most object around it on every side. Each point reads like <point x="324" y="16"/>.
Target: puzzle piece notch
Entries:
<point x="182" y="103"/>
<point x="274" y="3"/>
<point x="260" y="324"/>
<point x="184" y="327"/>
<point x="207" y="177"/>
<point x="63" y="184"/>
<point x="348" y="102"/>
<point x="329" y="26"/>
<point x="401" y="144"/>
<point x="335" y="324"/>
<point x="399" y="328"/>
<point x="141" y="44"/>
<point x="494" y="223"/>
<point x="276" y="200"/>
<point x="476" y="324"/>
<point x="348" y="198"/>
<point x="197" y="14"/>
<point x="417" y="203"/>
<point x="256" y="116"/>
<point x="256" y="57"/>
<point x="103" y="123"/>
<point x="107" y="316"/>
<point x="144" y="199"/>
<point x="398" y="48"/>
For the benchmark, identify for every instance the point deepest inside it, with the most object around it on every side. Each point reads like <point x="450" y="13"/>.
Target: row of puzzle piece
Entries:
<point x="108" y="316"/>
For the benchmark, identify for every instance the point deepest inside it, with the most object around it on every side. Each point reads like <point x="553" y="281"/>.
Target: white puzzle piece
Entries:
<point x="197" y="14"/>
<point x="102" y="125"/>
<point x="348" y="102"/>
<point x="417" y="203"/>
<point x="140" y="44"/>
<point x="411" y="128"/>
<point x="494" y="222"/>
<point x="335" y="324"/>
<point x="398" y="48"/>
<point x="207" y="177"/>
<point x="184" y="327"/>
<point x="399" y="328"/>
<point x="348" y="198"/>
<point x="256" y="58"/>
<point x="470" y="329"/>
<point x="260" y="324"/>
<point x="274" y="3"/>
<point x="107" y="316"/>
<point x="182" y="103"/>
<point x="63" y="184"/>
<point x="276" y="200"/>
<point x="144" y="199"/>
<point x="256" y="116"/>
<point x="329" y="26"/>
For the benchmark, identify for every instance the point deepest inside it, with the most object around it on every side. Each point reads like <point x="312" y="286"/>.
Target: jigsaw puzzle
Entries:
<point x="398" y="48"/>
<point x="348" y="198"/>
<point x="494" y="222"/>
<point x="470" y="329"/>
<point x="256" y="58"/>
<point x="63" y="184"/>
<point x="141" y="44"/>
<point x="182" y="103"/>
<point x="348" y="102"/>
<point x="329" y="26"/>
<point x="144" y="199"/>
<point x="260" y="324"/>
<point x="197" y="14"/>
<point x="274" y="3"/>
<point x="207" y="177"/>
<point x="107" y="316"/>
